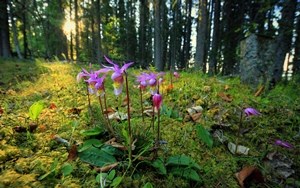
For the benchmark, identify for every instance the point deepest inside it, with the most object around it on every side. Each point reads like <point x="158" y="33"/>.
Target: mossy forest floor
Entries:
<point x="34" y="158"/>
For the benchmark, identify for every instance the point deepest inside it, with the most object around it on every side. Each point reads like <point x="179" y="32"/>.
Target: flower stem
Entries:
<point x="107" y="124"/>
<point x="142" y="106"/>
<point x="128" y="119"/>
<point x="89" y="100"/>
<point x="239" y="130"/>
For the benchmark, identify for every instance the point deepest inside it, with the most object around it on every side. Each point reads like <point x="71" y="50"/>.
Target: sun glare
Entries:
<point x="69" y="26"/>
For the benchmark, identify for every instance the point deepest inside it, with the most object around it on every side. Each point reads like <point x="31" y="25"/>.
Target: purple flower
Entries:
<point x="157" y="100"/>
<point x="251" y="112"/>
<point x="176" y="75"/>
<point x="82" y="75"/>
<point x="142" y="79"/>
<point x="99" y="86"/>
<point x="283" y="144"/>
<point x="117" y="75"/>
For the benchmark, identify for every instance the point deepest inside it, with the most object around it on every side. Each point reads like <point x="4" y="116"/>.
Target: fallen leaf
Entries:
<point x="52" y="106"/>
<point x="237" y="150"/>
<point x="225" y="97"/>
<point x="106" y="168"/>
<point x="226" y="87"/>
<point x="259" y="91"/>
<point x="125" y="102"/>
<point x="72" y="153"/>
<point x="196" y="116"/>
<point x="248" y="175"/>
<point x="109" y="110"/>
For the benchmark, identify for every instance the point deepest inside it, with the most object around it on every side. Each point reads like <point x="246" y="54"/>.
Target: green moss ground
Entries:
<point x="25" y="157"/>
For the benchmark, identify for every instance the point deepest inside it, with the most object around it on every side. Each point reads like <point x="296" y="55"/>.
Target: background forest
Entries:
<point x="168" y="34"/>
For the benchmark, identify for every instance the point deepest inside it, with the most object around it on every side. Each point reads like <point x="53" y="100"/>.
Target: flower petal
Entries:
<point x="125" y="67"/>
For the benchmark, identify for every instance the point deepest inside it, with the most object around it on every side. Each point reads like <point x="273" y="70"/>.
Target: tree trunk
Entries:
<point x="98" y="34"/>
<point x="284" y="39"/>
<point x="5" y="50"/>
<point x="76" y="29"/>
<point x="24" y="27"/>
<point x="14" y="30"/>
<point x="215" y="39"/>
<point x="187" y="33"/>
<point x="201" y="35"/>
<point x="142" y="34"/>
<point x="157" y="37"/>
<point x="296" y="61"/>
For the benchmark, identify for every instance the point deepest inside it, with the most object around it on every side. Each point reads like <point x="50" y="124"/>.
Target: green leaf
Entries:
<point x="91" y="132"/>
<point x="148" y="185"/>
<point x="116" y="182"/>
<point x="126" y="135"/>
<point x="111" y="175"/>
<point x="186" y="173"/>
<point x="67" y="169"/>
<point x="204" y="135"/>
<point x="89" y="143"/>
<point x="101" y="177"/>
<point x="159" y="164"/>
<point x="52" y="171"/>
<point x="96" y="157"/>
<point x="182" y="160"/>
<point x="35" y="110"/>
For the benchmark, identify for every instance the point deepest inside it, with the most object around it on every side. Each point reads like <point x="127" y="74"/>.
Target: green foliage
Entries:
<point x="66" y="169"/>
<point x="182" y="160"/>
<point x="148" y="185"/>
<point x="160" y="166"/>
<point x="96" y="157"/>
<point x="35" y="110"/>
<point x="108" y="179"/>
<point x="92" y="132"/>
<point x="89" y="143"/>
<point x="187" y="173"/>
<point x="204" y="135"/>
<point x="52" y="172"/>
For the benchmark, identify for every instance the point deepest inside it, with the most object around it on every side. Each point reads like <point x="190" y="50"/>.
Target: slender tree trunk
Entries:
<point x="5" y="50"/>
<point x="201" y="35"/>
<point x="187" y="33"/>
<point x="98" y="34"/>
<point x="215" y="39"/>
<point x="14" y="30"/>
<point x="76" y="29"/>
<point x="24" y="27"/>
<point x="142" y="33"/>
<point x="284" y="39"/>
<point x="157" y="37"/>
<point x="296" y="61"/>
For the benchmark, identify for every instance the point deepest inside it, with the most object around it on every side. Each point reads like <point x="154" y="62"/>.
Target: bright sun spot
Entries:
<point x="69" y="26"/>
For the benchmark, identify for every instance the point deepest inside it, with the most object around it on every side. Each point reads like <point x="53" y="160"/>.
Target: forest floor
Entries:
<point x="43" y="152"/>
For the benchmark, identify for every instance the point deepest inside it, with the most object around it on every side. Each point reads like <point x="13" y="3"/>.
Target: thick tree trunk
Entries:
<point x="24" y="31"/>
<point x="142" y="34"/>
<point x="201" y="35"/>
<point x="5" y="50"/>
<point x="157" y="37"/>
<point x="284" y="39"/>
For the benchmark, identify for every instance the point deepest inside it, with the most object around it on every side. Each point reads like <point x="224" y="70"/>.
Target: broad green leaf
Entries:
<point x="159" y="164"/>
<point x="111" y="175"/>
<point x="148" y="185"/>
<point x="67" y="169"/>
<point x="52" y="171"/>
<point x="112" y="150"/>
<point x="91" y="132"/>
<point x="89" y="143"/>
<point x="35" y="110"/>
<point x="182" y="160"/>
<point x="96" y="157"/>
<point x="116" y="182"/>
<point x="204" y="135"/>
<point x="186" y="173"/>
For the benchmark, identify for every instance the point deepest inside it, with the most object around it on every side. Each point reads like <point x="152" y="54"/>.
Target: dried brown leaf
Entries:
<point x="72" y="153"/>
<point x="106" y="168"/>
<point x="225" y="97"/>
<point x="259" y="91"/>
<point x="249" y="174"/>
<point x="196" y="116"/>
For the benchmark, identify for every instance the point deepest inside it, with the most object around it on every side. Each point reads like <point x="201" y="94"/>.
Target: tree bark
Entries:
<point x="5" y="50"/>
<point x="284" y="39"/>
<point x="215" y="39"/>
<point x="296" y="61"/>
<point x="201" y="35"/>
<point x="157" y="37"/>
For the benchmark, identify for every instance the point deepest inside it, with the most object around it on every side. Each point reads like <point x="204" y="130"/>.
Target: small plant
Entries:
<point x="35" y="110"/>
